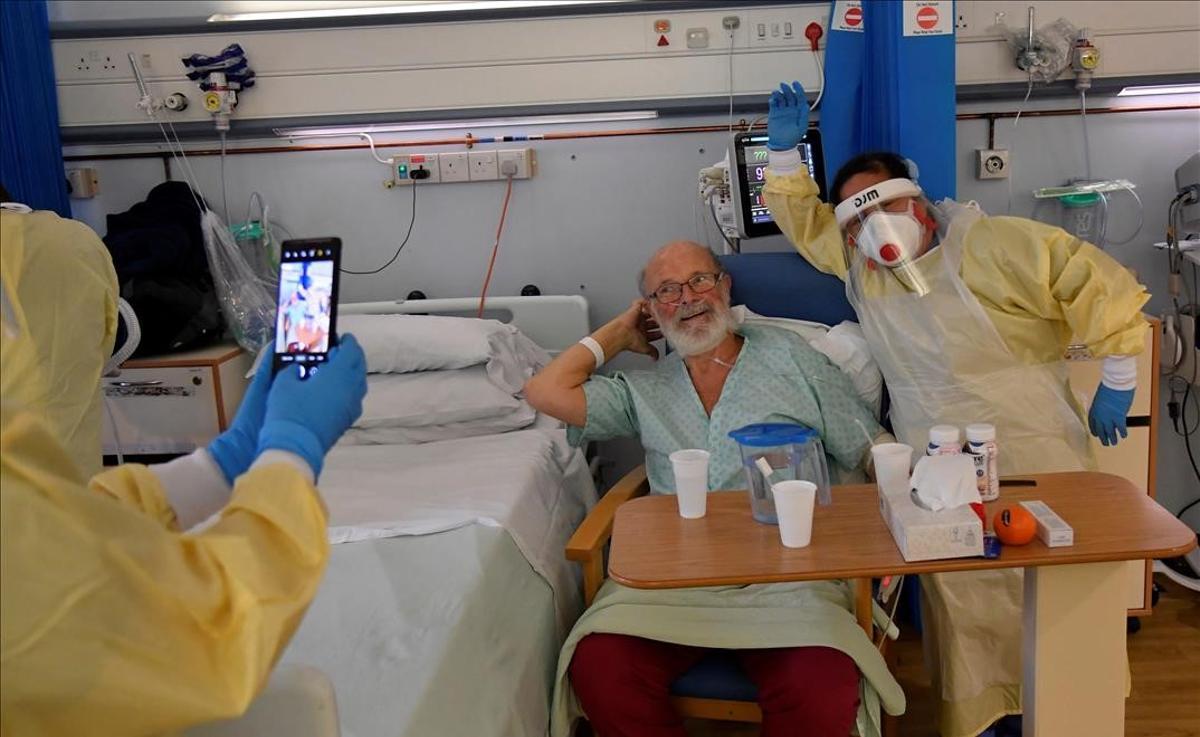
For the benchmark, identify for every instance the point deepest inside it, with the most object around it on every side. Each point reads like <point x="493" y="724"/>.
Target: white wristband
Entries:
<point x="592" y="345"/>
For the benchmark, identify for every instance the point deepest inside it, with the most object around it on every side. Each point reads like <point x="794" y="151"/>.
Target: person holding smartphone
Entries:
<point x="118" y="617"/>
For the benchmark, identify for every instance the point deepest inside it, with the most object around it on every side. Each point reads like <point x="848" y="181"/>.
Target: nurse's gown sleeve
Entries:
<point x="1045" y="271"/>
<point x="809" y="224"/>
<point x="115" y="622"/>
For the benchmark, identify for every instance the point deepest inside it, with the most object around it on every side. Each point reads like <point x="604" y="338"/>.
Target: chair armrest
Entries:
<point x="586" y="545"/>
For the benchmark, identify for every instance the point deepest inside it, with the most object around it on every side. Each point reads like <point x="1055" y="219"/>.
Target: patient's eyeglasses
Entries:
<point x="671" y="292"/>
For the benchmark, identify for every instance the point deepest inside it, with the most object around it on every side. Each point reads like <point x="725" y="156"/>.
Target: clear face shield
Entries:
<point x="889" y="224"/>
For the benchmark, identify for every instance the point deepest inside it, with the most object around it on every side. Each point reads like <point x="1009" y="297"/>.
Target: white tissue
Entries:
<point x="944" y="482"/>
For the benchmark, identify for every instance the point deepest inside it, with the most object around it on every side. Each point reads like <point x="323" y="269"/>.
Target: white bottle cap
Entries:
<point x="981" y="432"/>
<point x="943" y="435"/>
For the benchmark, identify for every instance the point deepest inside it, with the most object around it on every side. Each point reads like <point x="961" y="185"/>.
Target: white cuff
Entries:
<point x="282" y="456"/>
<point x="195" y="487"/>
<point x="594" y="346"/>
<point x="1119" y="372"/>
<point x="785" y="162"/>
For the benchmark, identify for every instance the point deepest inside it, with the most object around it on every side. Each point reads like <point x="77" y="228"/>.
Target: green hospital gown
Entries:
<point x="777" y="377"/>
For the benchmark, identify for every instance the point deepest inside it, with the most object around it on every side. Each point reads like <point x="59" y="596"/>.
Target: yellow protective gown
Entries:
<point x="1036" y="286"/>
<point x="116" y="623"/>
<point x="61" y="281"/>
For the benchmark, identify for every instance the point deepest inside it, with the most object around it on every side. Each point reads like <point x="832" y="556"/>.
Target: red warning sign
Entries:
<point x="853" y="16"/>
<point x="927" y="17"/>
<point x="662" y="41"/>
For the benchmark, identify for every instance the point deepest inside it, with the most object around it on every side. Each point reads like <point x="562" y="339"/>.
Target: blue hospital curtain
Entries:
<point x="31" y="161"/>
<point x="891" y="86"/>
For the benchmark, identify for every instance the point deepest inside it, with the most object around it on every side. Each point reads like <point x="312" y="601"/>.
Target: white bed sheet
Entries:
<point x="447" y="594"/>
<point x="529" y="482"/>
<point x="444" y="635"/>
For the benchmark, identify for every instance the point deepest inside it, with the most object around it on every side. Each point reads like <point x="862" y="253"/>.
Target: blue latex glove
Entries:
<point x="235" y="449"/>
<point x="306" y="417"/>
<point x="1107" y="416"/>
<point x="787" y="117"/>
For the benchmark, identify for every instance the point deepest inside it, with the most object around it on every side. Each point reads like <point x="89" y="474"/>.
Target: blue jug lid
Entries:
<point x="768" y="434"/>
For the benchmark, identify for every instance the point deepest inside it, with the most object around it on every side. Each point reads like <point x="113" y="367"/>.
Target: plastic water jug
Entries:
<point x="794" y="452"/>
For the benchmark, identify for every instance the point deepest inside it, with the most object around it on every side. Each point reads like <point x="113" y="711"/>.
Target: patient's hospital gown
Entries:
<point x="777" y="378"/>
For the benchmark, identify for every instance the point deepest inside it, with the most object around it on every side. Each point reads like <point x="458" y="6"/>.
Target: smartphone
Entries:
<point x="306" y="317"/>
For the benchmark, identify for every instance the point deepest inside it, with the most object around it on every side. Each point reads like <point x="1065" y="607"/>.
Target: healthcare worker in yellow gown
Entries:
<point x="969" y="318"/>
<point x="117" y="622"/>
<point x="60" y="271"/>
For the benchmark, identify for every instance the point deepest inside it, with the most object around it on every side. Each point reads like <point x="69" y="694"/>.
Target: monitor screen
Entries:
<point x="751" y="157"/>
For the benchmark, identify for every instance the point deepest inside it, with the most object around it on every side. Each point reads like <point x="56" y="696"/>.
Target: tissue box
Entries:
<point x="924" y="535"/>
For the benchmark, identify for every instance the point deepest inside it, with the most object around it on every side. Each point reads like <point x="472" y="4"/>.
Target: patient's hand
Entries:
<point x="638" y="329"/>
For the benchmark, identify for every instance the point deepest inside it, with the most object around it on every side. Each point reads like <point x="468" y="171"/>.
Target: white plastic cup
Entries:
<point x="794" y="502"/>
<point x="691" y="482"/>
<point x="892" y="464"/>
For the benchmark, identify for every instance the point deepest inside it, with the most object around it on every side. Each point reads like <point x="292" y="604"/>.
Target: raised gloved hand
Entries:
<point x="787" y="117"/>
<point x="235" y="449"/>
<point x="1107" y="416"/>
<point x="306" y="417"/>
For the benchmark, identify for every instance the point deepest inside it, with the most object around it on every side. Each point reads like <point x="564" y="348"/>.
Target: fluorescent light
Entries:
<point x="1160" y="89"/>
<point x="437" y="125"/>
<point x="400" y="9"/>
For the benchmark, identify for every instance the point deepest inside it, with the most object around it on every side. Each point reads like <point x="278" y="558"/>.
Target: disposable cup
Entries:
<point x="691" y="482"/>
<point x="892" y="464"/>
<point x="794" y="501"/>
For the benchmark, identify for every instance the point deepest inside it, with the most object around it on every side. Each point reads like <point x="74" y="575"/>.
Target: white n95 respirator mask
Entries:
<point x="888" y="238"/>
<point x="886" y="235"/>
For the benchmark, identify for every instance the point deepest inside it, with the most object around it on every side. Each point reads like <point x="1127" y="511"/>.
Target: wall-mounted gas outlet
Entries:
<point x="991" y="163"/>
<point x="484" y="165"/>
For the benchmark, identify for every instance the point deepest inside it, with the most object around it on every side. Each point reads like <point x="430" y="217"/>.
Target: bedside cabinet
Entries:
<point x="170" y="405"/>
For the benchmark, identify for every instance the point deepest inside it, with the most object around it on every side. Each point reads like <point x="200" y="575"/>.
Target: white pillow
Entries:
<point x="409" y="343"/>
<point x="433" y="398"/>
<point x="518" y="419"/>
<point x="844" y="345"/>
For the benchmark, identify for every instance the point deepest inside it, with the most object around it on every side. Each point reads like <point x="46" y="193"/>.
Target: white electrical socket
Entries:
<point x="522" y="158"/>
<point x="454" y="167"/>
<point x="484" y="165"/>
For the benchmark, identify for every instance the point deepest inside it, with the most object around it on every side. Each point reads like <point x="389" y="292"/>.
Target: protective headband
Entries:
<point x="870" y="197"/>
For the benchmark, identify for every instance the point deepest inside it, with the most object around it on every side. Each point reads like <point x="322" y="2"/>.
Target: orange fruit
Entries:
<point x="1014" y="525"/>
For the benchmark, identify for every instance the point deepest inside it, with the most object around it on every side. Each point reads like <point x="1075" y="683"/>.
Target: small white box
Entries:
<point x="924" y="535"/>
<point x="1051" y="529"/>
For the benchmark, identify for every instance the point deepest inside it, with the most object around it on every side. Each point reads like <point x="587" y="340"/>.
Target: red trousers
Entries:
<point x="623" y="684"/>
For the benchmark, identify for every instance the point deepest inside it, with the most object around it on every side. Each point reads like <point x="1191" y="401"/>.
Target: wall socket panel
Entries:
<point x="484" y="166"/>
<point x="473" y="166"/>
<point x="454" y="167"/>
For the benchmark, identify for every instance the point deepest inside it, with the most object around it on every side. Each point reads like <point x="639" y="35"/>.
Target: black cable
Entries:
<point x="411" y="222"/>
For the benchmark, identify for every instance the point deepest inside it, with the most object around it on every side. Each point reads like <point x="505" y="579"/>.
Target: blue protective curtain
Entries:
<point x="890" y="86"/>
<point x="31" y="162"/>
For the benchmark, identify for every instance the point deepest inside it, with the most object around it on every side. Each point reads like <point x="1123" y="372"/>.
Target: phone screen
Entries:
<point x="306" y="320"/>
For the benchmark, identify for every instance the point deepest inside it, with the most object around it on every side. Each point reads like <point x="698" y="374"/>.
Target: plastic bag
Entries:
<point x="246" y="301"/>
<point x="1051" y="50"/>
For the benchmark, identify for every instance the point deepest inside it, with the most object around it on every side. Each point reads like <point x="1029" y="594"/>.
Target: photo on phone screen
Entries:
<point x="306" y="320"/>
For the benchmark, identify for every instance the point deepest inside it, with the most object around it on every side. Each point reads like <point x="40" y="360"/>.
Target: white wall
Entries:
<point x="599" y="206"/>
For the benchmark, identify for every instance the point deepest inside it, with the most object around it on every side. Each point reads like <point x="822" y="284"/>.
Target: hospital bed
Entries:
<point x="446" y="597"/>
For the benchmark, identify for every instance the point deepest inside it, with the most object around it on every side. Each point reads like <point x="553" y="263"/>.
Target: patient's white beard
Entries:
<point x="704" y="338"/>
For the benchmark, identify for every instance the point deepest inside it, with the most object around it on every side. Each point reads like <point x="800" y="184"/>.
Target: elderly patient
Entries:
<point x="797" y="642"/>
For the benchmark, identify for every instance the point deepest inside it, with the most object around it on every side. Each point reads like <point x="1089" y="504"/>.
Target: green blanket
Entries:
<point x="736" y="618"/>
